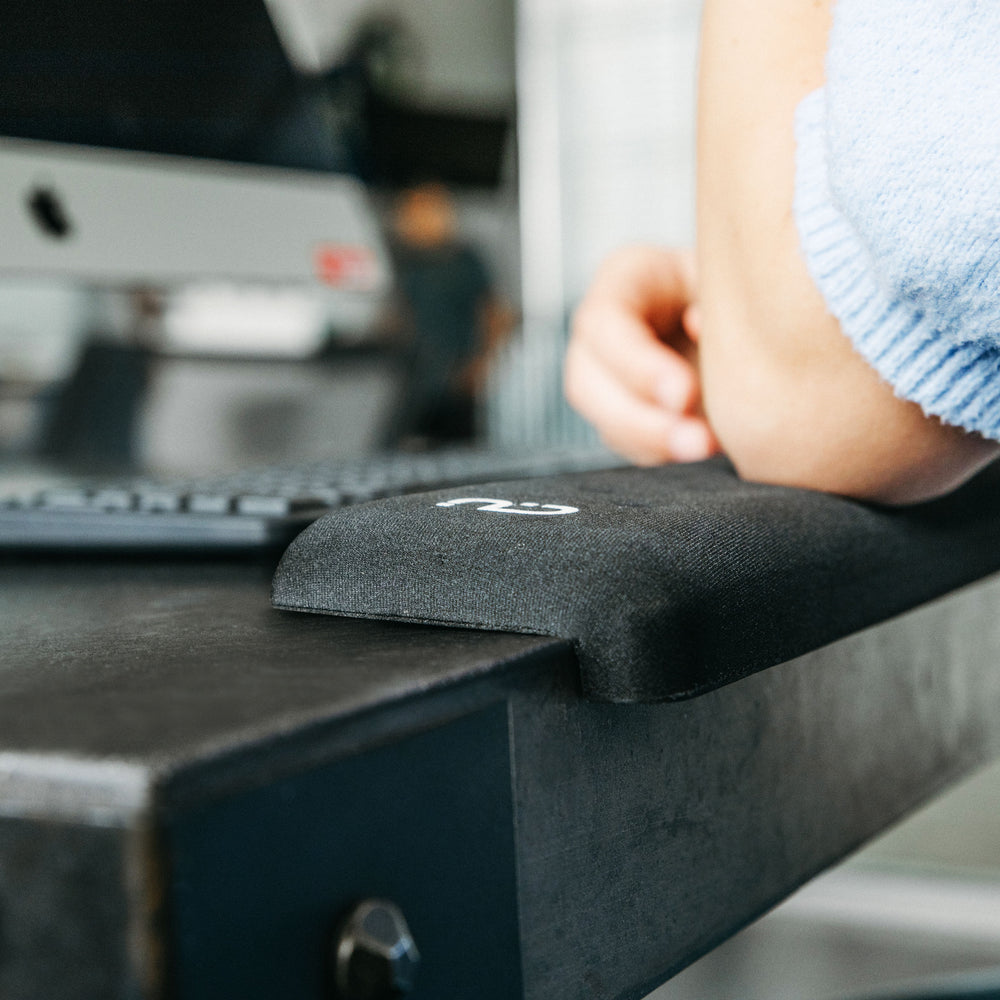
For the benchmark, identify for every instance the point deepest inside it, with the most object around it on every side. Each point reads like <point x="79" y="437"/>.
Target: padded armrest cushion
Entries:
<point x="669" y="581"/>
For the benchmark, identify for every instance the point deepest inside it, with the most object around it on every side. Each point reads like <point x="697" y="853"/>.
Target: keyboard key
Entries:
<point x="265" y="506"/>
<point x="113" y="499"/>
<point x="160" y="501"/>
<point x="209" y="503"/>
<point x="65" y="498"/>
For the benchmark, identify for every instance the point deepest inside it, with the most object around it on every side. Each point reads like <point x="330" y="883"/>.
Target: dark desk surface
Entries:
<point x="156" y="663"/>
<point x="143" y="707"/>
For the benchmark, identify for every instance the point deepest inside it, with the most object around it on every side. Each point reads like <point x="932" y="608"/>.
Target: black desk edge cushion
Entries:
<point x="669" y="581"/>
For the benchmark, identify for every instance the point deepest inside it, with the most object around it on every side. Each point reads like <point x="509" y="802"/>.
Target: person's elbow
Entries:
<point x="920" y="469"/>
<point x="831" y="424"/>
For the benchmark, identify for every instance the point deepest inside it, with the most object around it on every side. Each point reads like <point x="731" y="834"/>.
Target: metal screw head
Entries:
<point x="375" y="957"/>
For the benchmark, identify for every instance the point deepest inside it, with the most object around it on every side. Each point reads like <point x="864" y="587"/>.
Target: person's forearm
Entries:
<point x="787" y="395"/>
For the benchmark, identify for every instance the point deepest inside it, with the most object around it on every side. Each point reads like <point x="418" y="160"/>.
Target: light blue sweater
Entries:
<point x="898" y="197"/>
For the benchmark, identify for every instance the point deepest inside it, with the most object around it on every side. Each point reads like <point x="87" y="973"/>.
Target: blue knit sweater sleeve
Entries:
<point x="898" y="197"/>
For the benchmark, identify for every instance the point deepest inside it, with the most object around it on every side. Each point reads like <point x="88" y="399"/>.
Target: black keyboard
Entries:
<point x="252" y="509"/>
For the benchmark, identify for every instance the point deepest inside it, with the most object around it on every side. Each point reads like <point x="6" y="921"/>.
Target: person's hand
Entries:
<point x="631" y="365"/>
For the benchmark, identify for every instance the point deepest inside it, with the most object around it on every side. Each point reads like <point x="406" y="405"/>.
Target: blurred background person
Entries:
<point x="448" y="316"/>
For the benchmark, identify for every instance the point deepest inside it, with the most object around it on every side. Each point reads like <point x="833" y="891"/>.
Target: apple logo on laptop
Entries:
<point x="49" y="213"/>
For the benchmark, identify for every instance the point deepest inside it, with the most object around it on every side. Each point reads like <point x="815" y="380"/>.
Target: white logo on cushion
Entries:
<point x="509" y="507"/>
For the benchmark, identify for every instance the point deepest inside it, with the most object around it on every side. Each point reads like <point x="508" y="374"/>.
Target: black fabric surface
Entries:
<point x="670" y="581"/>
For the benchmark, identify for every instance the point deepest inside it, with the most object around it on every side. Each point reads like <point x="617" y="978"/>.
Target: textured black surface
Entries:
<point x="670" y="581"/>
<point x="649" y="833"/>
<point x="171" y="694"/>
<point x="163" y="663"/>
<point x="286" y="765"/>
<point x="63" y="906"/>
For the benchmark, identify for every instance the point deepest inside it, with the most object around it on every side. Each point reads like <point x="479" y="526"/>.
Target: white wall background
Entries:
<point x="607" y="102"/>
<point x="606" y="134"/>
